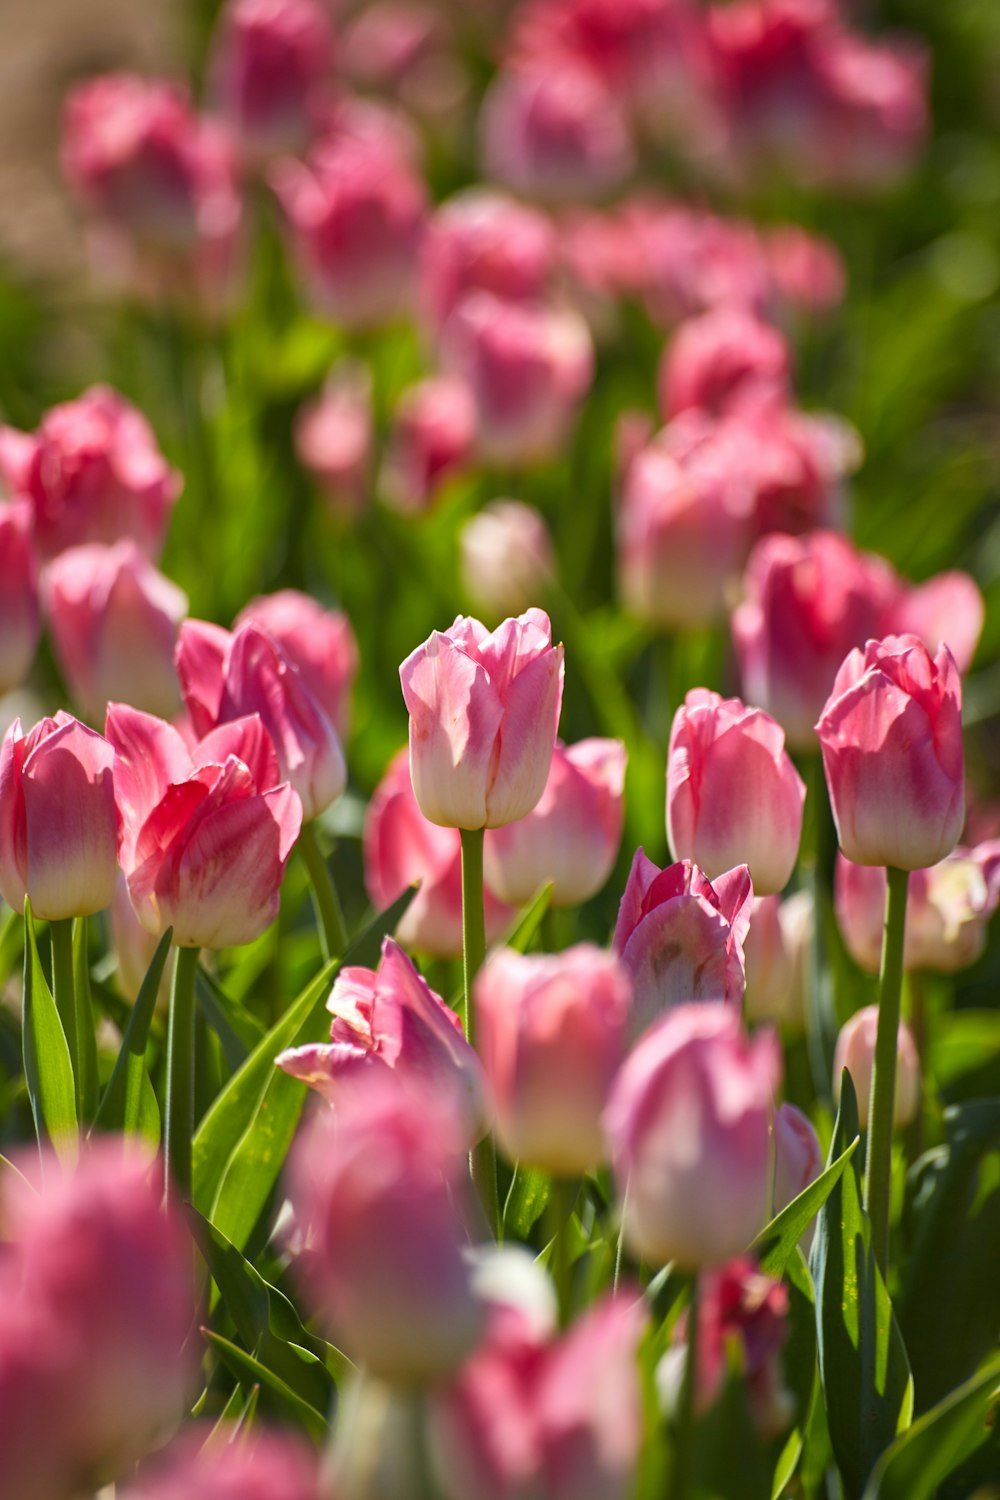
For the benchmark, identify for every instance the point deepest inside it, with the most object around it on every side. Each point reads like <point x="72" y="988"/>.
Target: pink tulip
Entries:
<point x="776" y="952"/>
<point x="318" y="642"/>
<point x="855" y="1051"/>
<point x="57" y="819"/>
<point x="355" y="210"/>
<point x="134" y="948"/>
<point x="113" y="620"/>
<point x="375" y="1185"/>
<point x="205" y="832"/>
<point x="715" y="360"/>
<point x="484" y="710"/>
<point x="254" y="1465"/>
<point x="405" y="50"/>
<point x="571" y="837"/>
<point x="680" y="936"/>
<point x="506" y="557"/>
<point x="733" y="795"/>
<point x="808" y="601"/>
<point x="271" y="73"/>
<point x="20" y="626"/>
<point x="553" y="1032"/>
<point x="528" y="367"/>
<point x="688" y="1126"/>
<point x="391" y="1018"/>
<point x="225" y="677"/>
<point x="93" y="473"/>
<point x="687" y="260"/>
<point x="808" y="271"/>
<point x="949" y="608"/>
<point x="798" y="1161"/>
<point x="482" y="240"/>
<point x="400" y="848"/>
<point x="891" y="736"/>
<point x="431" y="441"/>
<point x="335" y="436"/>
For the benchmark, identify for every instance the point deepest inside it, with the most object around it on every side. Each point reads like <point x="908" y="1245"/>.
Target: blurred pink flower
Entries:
<point x="20" y="624"/>
<point x="255" y="1465"/>
<point x="506" y="557"/>
<point x="431" y="441"/>
<point x="335" y="438"/>
<point x="270" y="73"/>
<point x="715" y="359"/>
<point x="483" y="240"/>
<point x="776" y="952"/>
<point x="855" y="1051"/>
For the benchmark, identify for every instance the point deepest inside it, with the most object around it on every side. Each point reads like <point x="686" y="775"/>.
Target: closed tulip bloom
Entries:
<point x="855" y="1051"/>
<point x="716" y="359"/>
<point x="484" y="710"/>
<point x="57" y="819"/>
<point x="271" y="73"/>
<point x="113" y="620"/>
<point x="733" y="795"/>
<point x="776" y="953"/>
<point x="390" y="1018"/>
<point x="431" y="441"/>
<point x="204" y="833"/>
<point x="891" y="736"/>
<point x="319" y="643"/>
<point x="335" y="438"/>
<point x="688" y="1125"/>
<point x="798" y="1161"/>
<point x="552" y="1032"/>
<point x="20" y="625"/>
<point x="506" y="557"/>
<point x="254" y="1465"/>
<point x="571" y="837"/>
<point x="681" y="936"/>
<point x="482" y="240"/>
<point x="948" y="607"/>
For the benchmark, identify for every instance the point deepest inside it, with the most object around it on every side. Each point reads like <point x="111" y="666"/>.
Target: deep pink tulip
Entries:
<point x="57" y="819"/>
<point x="270" y="73"/>
<point x="375" y="1184"/>
<point x="204" y="833"/>
<point x="93" y="473"/>
<point x="733" y="795"/>
<point x="400" y="848"/>
<point x="552" y="1030"/>
<point x="855" y="1051"/>
<point x="528" y="367"/>
<point x="318" y="642"/>
<point x="254" y="1465"/>
<point x="20" y="624"/>
<point x="335" y="437"/>
<point x="688" y="1126"/>
<point x="484" y="710"/>
<point x="226" y="677"/>
<point x="891" y="736"/>
<point x="776" y="952"/>
<point x="390" y="1018"/>
<point x="506" y="557"/>
<point x="431" y="441"/>
<point x="113" y="620"/>
<point x="482" y="240"/>
<point x="571" y="837"/>
<point x="798" y="1160"/>
<point x="681" y="936"/>
<point x="715" y="360"/>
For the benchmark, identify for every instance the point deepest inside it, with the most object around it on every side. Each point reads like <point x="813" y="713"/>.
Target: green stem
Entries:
<point x="333" y="933"/>
<point x="64" y="994"/>
<point x="562" y="1201"/>
<point x="484" y="1160"/>
<point x="680" y="1474"/>
<point x="878" y="1171"/>
<point x="180" y="1076"/>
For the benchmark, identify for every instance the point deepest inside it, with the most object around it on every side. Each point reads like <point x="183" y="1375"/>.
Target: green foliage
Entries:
<point x="48" y="1069"/>
<point x="121" y="1106"/>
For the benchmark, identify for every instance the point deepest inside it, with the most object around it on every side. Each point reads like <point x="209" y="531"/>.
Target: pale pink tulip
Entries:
<point x="270" y="73"/>
<point x="57" y="819"/>
<point x="798" y="1161"/>
<point x="482" y="240"/>
<point x="431" y="441"/>
<point x="318" y="642"/>
<point x="947" y="607"/>
<point x="733" y="795"/>
<point x="20" y="625"/>
<point x="206" y="1465"/>
<point x="855" y="1051"/>
<point x="571" y="837"/>
<point x="484" y="710"/>
<point x="335" y="437"/>
<point x="715" y="360"/>
<point x="506" y="557"/>
<point x="204" y="834"/>
<point x="776" y="952"/>
<point x="891" y="736"/>
<point x="688" y="1126"/>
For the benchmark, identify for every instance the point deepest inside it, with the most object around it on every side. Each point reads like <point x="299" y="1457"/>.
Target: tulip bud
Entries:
<point x="855" y="1051"/>
<point x="571" y="836"/>
<point x="270" y="73"/>
<point x="891" y="736"/>
<point x="334" y="438"/>
<point x="688" y="1125"/>
<point x="431" y="442"/>
<point x="481" y="240"/>
<point x="552" y="1030"/>
<point x="222" y="1465"/>
<point x="733" y="795"/>
<point x="506" y="557"/>
<point x="19" y="617"/>
<point x="716" y="359"/>
<point x="484" y="710"/>
<point x="319" y="643"/>
<point x="776" y="952"/>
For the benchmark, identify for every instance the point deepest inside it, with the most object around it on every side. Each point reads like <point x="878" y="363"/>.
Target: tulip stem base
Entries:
<point x="333" y="933"/>
<point x="484" y="1160"/>
<point x="683" y="1455"/>
<point x="64" y="994"/>
<point x="878" y="1169"/>
<point x="179" y="1127"/>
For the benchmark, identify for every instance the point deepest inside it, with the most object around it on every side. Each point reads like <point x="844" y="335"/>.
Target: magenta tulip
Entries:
<point x="855" y="1051"/>
<point x="318" y="642"/>
<point x="20" y="625"/>
<point x="270" y="73"/>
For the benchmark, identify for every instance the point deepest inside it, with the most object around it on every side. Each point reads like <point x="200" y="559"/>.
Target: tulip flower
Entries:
<point x="947" y="607"/>
<point x="733" y="795"/>
<point x="807" y="270"/>
<point x="391" y="1018"/>
<point x="681" y="936"/>
<point x="255" y="1465"/>
<point x="855" y="1051"/>
<point x="891" y="736"/>
<point x="318" y="642"/>
<point x="114" y="620"/>
<point x="716" y="359"/>
<point x="20" y="626"/>
<point x="571" y="837"/>
<point x="482" y="240"/>
<point x="334" y="438"/>
<point x="270" y="73"/>
<point x="553" y="1031"/>
<point x="506" y="557"/>
<point x="798" y="1161"/>
<point x="431" y="441"/>
<point x="688" y="1125"/>
<point x="484" y="709"/>
<point x="776" y="953"/>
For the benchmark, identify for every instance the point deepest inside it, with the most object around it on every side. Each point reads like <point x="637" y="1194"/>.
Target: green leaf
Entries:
<point x="866" y="1377"/>
<point x="940" y="1440"/>
<point x="250" y="1372"/>
<point x="122" y="1106"/>
<point x="48" y="1070"/>
<point x="775" y="1245"/>
<point x="520" y="935"/>
<point x="238" y="1031"/>
<point x="86" y="1033"/>
<point x="525" y="1202"/>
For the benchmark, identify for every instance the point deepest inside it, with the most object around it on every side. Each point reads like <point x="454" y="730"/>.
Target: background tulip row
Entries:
<point x="498" y="790"/>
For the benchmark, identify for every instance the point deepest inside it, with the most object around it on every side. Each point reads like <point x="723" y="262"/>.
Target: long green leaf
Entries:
<point x="775" y="1245"/>
<point x="48" y="1070"/>
<point x="121" y="1107"/>
<point x="528" y="922"/>
<point x="250" y="1372"/>
<point x="525" y="1202"/>
<point x="940" y="1440"/>
<point x="86" y="1034"/>
<point x="866" y="1377"/>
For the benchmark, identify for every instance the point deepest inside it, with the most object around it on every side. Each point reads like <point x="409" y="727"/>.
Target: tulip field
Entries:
<point x="499" y="775"/>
